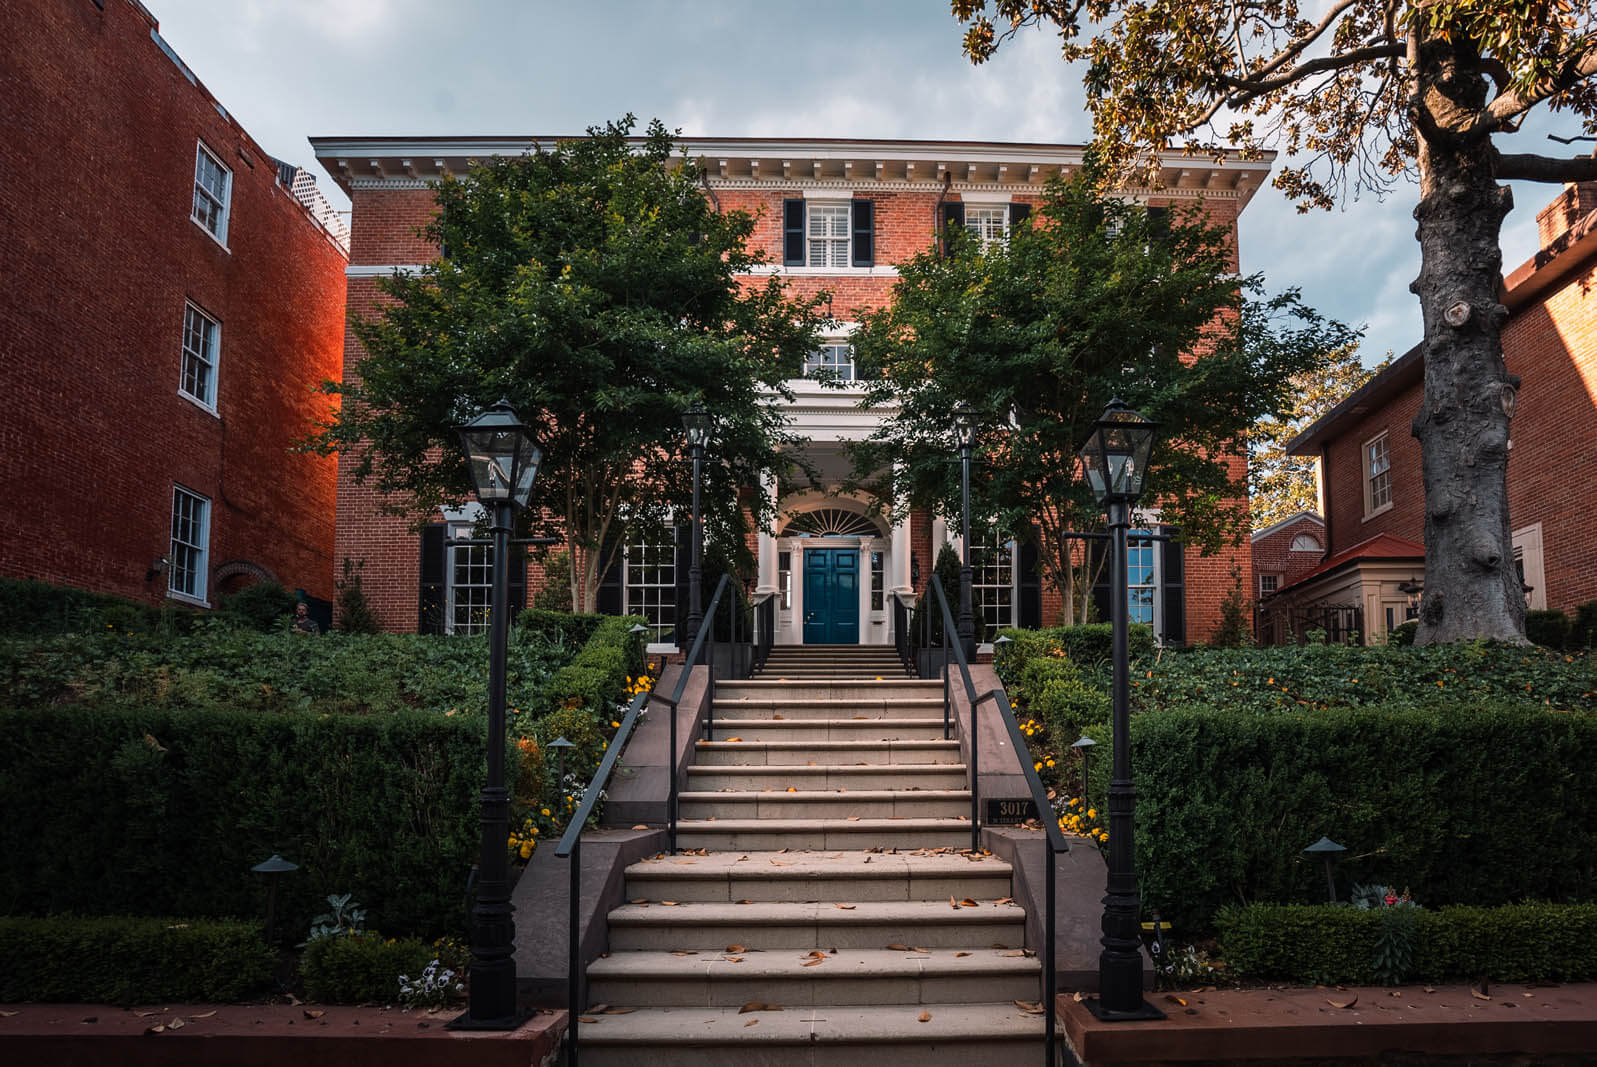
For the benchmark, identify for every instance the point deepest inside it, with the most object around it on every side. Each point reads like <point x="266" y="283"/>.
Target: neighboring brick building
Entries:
<point x="169" y="305"/>
<point x="1283" y="553"/>
<point x="833" y="215"/>
<point x="1369" y="460"/>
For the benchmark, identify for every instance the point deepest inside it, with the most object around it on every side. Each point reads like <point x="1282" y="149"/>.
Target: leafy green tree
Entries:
<point x="1362" y="94"/>
<point x="1280" y="485"/>
<point x="594" y="286"/>
<point x="1097" y="299"/>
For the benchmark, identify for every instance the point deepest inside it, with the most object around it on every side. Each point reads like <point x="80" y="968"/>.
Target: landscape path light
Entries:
<point x="1326" y="848"/>
<point x="274" y="868"/>
<point x="1115" y="462"/>
<point x="503" y="461"/>
<point x="1083" y="745"/>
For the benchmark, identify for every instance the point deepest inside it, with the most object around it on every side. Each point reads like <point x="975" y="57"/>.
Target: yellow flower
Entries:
<point x="545" y="811"/>
<point x="615" y="724"/>
<point x="1036" y="766"/>
<point x="1092" y="813"/>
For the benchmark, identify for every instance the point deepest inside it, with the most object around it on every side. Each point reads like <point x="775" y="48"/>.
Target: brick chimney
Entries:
<point x="1570" y="206"/>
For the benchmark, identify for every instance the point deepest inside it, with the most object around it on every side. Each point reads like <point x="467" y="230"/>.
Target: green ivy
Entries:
<point x="361" y="968"/>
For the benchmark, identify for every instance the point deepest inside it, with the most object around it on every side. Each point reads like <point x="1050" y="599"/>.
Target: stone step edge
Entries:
<point x="913" y="742"/>
<point x="801" y="796"/>
<point x="780" y="913"/>
<point x="908" y="822"/>
<point x="887" y="1026"/>
<point x="642" y="965"/>
<point x="775" y="769"/>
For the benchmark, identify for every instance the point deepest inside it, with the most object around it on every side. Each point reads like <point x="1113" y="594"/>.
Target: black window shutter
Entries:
<point x="1099" y="561"/>
<point x="793" y="233"/>
<point x="609" y="599"/>
<point x="1030" y="584"/>
<point x="1019" y="213"/>
<point x="953" y="215"/>
<point x="683" y="532"/>
<point x="1175" y="587"/>
<point x="518" y="580"/>
<point x="864" y="233"/>
<point x="430" y="599"/>
<point x="1159" y="223"/>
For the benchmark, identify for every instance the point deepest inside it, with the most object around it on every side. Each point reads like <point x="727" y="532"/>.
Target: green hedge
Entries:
<point x="164" y="811"/>
<point x="1327" y="945"/>
<point x="596" y="678"/>
<point x="558" y="627"/>
<point x="36" y="609"/>
<point x="119" y="960"/>
<point x="361" y="968"/>
<point x="1467" y="803"/>
<point x="1055" y="674"/>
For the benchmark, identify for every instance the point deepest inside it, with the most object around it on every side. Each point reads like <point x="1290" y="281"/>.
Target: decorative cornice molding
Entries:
<point x="381" y="270"/>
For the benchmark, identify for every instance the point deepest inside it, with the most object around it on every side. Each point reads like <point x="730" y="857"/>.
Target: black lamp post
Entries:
<point x="1115" y="460"/>
<point x="965" y="429"/>
<point x="503" y="462"/>
<point x="696" y="423"/>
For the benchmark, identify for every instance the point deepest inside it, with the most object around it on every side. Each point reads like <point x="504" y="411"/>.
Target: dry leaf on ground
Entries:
<point x="735" y="948"/>
<point x="843" y="907"/>
<point x="751" y="1022"/>
<point x="1344" y="1004"/>
<point x="619" y="1011"/>
<point x="208" y="1014"/>
<point x="925" y="1016"/>
<point x="586" y="1019"/>
<point x="312" y="1013"/>
<point x="755" y="1005"/>
<point x="897" y="948"/>
<point x="957" y="955"/>
<point x="1029" y="1009"/>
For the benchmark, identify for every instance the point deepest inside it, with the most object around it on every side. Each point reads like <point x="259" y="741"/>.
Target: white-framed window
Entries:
<point x="990" y="224"/>
<point x="827" y="232"/>
<point x="651" y="584"/>
<point x="1377" y="475"/>
<point x="190" y="547"/>
<point x="1142" y="580"/>
<point x="992" y="578"/>
<point x="784" y="578"/>
<point x="469" y="580"/>
<point x="1305" y="543"/>
<point x="201" y="337"/>
<point x="1530" y="565"/>
<point x="213" y="191"/>
<point x="878" y="580"/>
<point x="831" y="361"/>
<point x="1268" y="584"/>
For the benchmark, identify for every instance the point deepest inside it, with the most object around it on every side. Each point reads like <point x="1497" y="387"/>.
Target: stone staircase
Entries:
<point x="825" y="870"/>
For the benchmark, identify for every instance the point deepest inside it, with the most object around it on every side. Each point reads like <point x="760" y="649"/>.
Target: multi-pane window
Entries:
<point x="191" y="544"/>
<point x="784" y="578"/>
<point x="1142" y="583"/>
<point x="989" y="224"/>
<point x="1269" y="583"/>
<point x="1377" y="475"/>
<point x="992" y="578"/>
<point x="471" y="576"/>
<point x="831" y="361"/>
<point x="828" y="232"/>
<point x="652" y="585"/>
<point x="212" y="190"/>
<point x="878" y="581"/>
<point x="199" y="355"/>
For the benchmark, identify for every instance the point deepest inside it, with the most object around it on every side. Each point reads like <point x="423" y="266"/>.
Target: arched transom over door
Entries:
<point x="832" y="563"/>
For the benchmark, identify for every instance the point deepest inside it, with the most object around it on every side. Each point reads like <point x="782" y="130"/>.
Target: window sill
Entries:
<point x="206" y="230"/>
<point x="1382" y="510"/>
<point x="824" y="272"/>
<point x="202" y="405"/>
<point x="184" y="598"/>
<point x="661" y="648"/>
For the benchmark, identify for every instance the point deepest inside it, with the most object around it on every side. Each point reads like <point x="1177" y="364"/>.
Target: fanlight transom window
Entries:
<point x="831" y="522"/>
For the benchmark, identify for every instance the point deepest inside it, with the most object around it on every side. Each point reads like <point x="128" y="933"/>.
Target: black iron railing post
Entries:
<point x="573" y="951"/>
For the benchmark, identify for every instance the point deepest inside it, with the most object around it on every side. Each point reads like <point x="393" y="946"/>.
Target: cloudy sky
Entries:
<point x="292" y="69"/>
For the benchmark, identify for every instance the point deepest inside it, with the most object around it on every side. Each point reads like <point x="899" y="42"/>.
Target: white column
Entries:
<point x="898" y="581"/>
<point x="939" y="539"/>
<point x="767" y="542"/>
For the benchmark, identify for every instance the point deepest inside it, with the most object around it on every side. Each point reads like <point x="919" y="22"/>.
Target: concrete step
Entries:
<point x="760" y="753"/>
<point x="793" y="978"/>
<point x="860" y="729"/>
<point x="820" y="876"/>
<point x="774" y="926"/>
<point x="823" y="833"/>
<point x="824" y="689"/>
<point x="811" y="776"/>
<point x="780" y="805"/>
<point x="779" y="707"/>
<point x="805" y="674"/>
<point x="954" y="1035"/>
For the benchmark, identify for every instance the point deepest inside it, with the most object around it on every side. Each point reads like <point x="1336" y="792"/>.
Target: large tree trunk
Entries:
<point x="1471" y="587"/>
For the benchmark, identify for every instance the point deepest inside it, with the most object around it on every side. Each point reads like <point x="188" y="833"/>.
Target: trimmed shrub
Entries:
<point x="262" y="606"/>
<point x="355" y="612"/>
<point x="559" y="628"/>
<point x="597" y="677"/>
<point x="361" y="968"/>
<point x="1330" y="945"/>
<point x="119" y="960"/>
<point x="36" y="609"/>
<point x="1467" y="802"/>
<point x="163" y="811"/>
<point x="555" y="592"/>
<point x="1403" y="633"/>
<point x="1039" y="675"/>
<point x="1550" y="629"/>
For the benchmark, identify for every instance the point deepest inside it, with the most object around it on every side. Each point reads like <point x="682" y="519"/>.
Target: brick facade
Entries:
<point x="101" y="126"/>
<point x="387" y="177"/>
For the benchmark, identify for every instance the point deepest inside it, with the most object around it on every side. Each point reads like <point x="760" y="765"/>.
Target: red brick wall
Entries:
<point x="101" y="128"/>
<point x="1272" y="554"/>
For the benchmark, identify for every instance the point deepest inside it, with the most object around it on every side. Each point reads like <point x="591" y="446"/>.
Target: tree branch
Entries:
<point x="1577" y="68"/>
<point x="1295" y="48"/>
<point x="1533" y="168"/>
<point x="1248" y="89"/>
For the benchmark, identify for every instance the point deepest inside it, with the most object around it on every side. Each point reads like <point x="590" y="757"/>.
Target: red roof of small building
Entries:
<point x="1380" y="547"/>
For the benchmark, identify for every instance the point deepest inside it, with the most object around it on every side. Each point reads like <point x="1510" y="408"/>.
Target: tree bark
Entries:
<point x="1471" y="587"/>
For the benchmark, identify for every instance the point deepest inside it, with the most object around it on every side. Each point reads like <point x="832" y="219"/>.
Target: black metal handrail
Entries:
<point x="1039" y="795"/>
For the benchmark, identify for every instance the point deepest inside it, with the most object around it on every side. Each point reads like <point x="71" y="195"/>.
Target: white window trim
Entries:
<point x="679" y="611"/>
<point x="1011" y="549"/>
<point x="1527" y="542"/>
<point x="1293" y="546"/>
<point x="1277" y="575"/>
<point x="212" y="404"/>
<point x="847" y="241"/>
<point x="202" y="573"/>
<point x="1366" y="476"/>
<point x="227" y="197"/>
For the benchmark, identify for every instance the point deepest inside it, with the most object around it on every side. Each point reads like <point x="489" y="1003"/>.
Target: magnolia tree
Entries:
<point x="1038" y="332"/>
<point x="596" y="289"/>
<point x="1360" y="93"/>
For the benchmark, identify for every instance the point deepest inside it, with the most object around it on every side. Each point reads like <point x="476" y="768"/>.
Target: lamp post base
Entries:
<point x="1141" y="1013"/>
<point x="464" y="1021"/>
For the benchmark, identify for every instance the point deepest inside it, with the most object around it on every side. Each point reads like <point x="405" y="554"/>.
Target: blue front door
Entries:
<point x="831" y="596"/>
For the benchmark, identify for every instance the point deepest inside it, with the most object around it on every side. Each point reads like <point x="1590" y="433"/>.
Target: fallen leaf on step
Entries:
<point x="1172" y="998"/>
<point x="208" y="1014"/>
<point x="780" y="851"/>
<point x="314" y="1013"/>
<point x="952" y="903"/>
<point x="813" y="963"/>
<point x="925" y="1016"/>
<point x="619" y="1011"/>
<point x="638" y="900"/>
<point x="916" y="949"/>
<point x="1478" y="995"/>
<point x="734" y="739"/>
<point x="1004" y="900"/>
<point x="177" y="1024"/>
<point x="1078" y="997"/>
<point x="1430" y="989"/>
<point x="156" y="1029"/>
<point x="1016" y="952"/>
<point x="586" y="1019"/>
<point x="598" y="1009"/>
<point x="1344" y="1004"/>
<point x="780" y="863"/>
<point x="898" y="948"/>
<point x="733" y="959"/>
<point x="1029" y="1009"/>
<point x="959" y="954"/>
<point x="967" y="903"/>
<point x="792" y="789"/>
<point x="142" y="1014"/>
<point x="8" y="1014"/>
<point x="735" y="948"/>
<point x="843" y="907"/>
<point x="814" y="954"/>
<point x="752" y="1022"/>
<point x="867" y="859"/>
<point x="669" y="903"/>
<point x="745" y="902"/>
<point x="853" y="818"/>
<point x="755" y="1005"/>
<point x="641" y="826"/>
